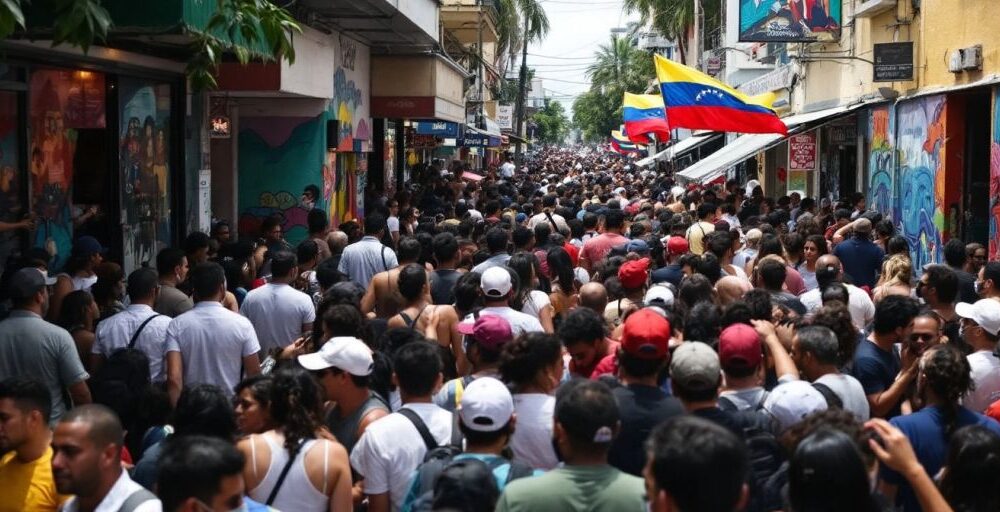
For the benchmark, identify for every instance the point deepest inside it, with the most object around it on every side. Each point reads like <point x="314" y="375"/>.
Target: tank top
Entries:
<point x="346" y="429"/>
<point x="443" y="286"/>
<point x="297" y="492"/>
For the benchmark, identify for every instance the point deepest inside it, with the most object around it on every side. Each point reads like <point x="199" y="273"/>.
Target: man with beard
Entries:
<point x="32" y="347"/>
<point x="86" y="462"/>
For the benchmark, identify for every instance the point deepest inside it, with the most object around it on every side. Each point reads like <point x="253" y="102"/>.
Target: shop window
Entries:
<point x="145" y="169"/>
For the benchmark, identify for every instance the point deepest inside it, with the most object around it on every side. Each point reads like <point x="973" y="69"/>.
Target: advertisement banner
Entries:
<point x="505" y="117"/>
<point x="438" y="128"/>
<point x="789" y="20"/>
<point x="802" y="152"/>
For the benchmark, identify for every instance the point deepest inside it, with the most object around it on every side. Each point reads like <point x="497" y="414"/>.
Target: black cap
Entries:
<point x="27" y="282"/>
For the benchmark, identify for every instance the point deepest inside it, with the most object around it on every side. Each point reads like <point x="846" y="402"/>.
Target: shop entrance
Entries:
<point x="976" y="172"/>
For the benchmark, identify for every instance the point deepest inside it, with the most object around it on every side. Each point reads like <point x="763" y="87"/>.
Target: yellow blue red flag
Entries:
<point x="644" y="115"/>
<point x="697" y="101"/>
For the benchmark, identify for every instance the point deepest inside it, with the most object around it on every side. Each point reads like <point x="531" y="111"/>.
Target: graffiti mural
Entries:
<point x="278" y="158"/>
<point x="994" y="249"/>
<point x="881" y="160"/>
<point x="920" y="138"/>
<point x="144" y="157"/>
<point x="350" y="95"/>
<point x="62" y="102"/>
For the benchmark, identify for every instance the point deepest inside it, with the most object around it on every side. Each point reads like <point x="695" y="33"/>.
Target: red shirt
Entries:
<point x="599" y="246"/>
<point x="601" y="364"/>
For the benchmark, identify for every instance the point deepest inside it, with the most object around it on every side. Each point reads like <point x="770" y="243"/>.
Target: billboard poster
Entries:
<point x="789" y="20"/>
<point x="802" y="152"/>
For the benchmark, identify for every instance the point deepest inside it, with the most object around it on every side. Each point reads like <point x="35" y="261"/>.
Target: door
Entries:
<point x="976" y="200"/>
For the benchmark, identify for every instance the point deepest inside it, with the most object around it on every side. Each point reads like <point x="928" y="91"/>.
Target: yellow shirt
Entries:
<point x="28" y="487"/>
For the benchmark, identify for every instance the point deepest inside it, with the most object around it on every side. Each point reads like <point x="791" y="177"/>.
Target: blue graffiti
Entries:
<point x="916" y="220"/>
<point x="881" y="182"/>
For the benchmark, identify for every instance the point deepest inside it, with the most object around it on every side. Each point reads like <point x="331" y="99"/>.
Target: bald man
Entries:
<point x="86" y="462"/>
<point x="829" y="270"/>
<point x="730" y="289"/>
<point x="594" y="296"/>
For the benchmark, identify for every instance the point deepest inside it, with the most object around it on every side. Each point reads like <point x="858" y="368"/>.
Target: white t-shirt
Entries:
<point x="114" y="333"/>
<point x="851" y="394"/>
<point x="532" y="439"/>
<point x="277" y="312"/>
<point x="986" y="374"/>
<point x="860" y="305"/>
<point x="520" y="323"/>
<point x="537" y="300"/>
<point x="391" y="449"/>
<point x="541" y="218"/>
<point x="507" y="170"/>
<point x="213" y="342"/>
<point x="393" y="223"/>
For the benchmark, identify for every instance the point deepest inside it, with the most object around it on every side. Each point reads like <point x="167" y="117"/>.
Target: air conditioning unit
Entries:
<point x="955" y="61"/>
<point x="972" y="58"/>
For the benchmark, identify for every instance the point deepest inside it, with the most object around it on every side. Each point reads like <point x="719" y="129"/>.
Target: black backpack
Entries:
<point x="764" y="451"/>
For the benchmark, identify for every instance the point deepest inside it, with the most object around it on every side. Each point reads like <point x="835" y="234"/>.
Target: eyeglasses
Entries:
<point x="924" y="337"/>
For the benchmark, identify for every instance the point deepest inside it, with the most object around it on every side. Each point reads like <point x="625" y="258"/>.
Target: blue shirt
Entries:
<point x="861" y="258"/>
<point x="926" y="431"/>
<point x="876" y="370"/>
<point x="365" y="258"/>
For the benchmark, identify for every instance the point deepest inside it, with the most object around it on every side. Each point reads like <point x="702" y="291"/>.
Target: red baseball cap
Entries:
<point x="739" y="346"/>
<point x="646" y="335"/>
<point x="489" y="331"/>
<point x="677" y="245"/>
<point x="633" y="274"/>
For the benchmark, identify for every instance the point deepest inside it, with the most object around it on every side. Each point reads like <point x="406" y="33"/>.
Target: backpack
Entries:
<point x="832" y="400"/>
<point x="439" y="458"/>
<point x="764" y="451"/>
<point x="727" y="404"/>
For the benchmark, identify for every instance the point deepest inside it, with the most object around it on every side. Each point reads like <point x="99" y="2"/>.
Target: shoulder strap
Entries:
<point x="384" y="262"/>
<point x="832" y="400"/>
<point x="406" y="319"/>
<point x="727" y="405"/>
<point x="421" y="427"/>
<point x="518" y="470"/>
<point x="281" y="479"/>
<point x="552" y="221"/>
<point x="135" y="336"/>
<point x="135" y="499"/>
<point x="456" y="433"/>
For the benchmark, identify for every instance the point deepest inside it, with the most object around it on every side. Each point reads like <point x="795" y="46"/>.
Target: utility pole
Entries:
<point x="482" y="78"/>
<point x="520" y="94"/>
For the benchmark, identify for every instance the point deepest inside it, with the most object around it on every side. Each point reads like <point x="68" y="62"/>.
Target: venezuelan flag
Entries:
<point x="697" y="101"/>
<point x="621" y="144"/>
<point x="644" y="115"/>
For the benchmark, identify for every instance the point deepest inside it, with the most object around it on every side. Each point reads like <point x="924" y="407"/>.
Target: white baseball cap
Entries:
<point x="659" y="293"/>
<point x="342" y="352"/>
<point x="985" y="312"/>
<point x="486" y="406"/>
<point x="791" y="402"/>
<point x="496" y="282"/>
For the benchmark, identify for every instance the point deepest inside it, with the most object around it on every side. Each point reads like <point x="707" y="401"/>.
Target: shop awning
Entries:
<point x="672" y="151"/>
<point x="712" y="166"/>
<point x="746" y="146"/>
<point x="476" y="138"/>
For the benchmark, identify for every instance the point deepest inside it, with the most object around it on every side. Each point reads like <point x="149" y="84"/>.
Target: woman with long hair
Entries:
<point x="564" y="284"/>
<point x="317" y="474"/>
<point x="814" y="247"/>
<point x="78" y="315"/>
<point x="252" y="405"/>
<point x="528" y="299"/>
<point x="109" y="290"/>
<point x="532" y="366"/>
<point x="970" y="480"/>
<point x="439" y="323"/>
<point x="897" y="278"/>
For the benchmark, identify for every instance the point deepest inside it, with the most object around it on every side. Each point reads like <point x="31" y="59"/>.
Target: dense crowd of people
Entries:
<point x="573" y="334"/>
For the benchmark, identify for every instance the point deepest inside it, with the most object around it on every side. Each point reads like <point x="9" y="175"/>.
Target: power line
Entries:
<point x="559" y="58"/>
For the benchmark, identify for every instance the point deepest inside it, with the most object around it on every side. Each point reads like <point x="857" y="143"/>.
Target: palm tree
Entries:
<point x="620" y="67"/>
<point x="535" y="24"/>
<point x="674" y="19"/>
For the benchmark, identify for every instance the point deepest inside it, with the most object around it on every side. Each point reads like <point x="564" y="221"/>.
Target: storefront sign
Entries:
<point x="403" y="107"/>
<point x="713" y="65"/>
<point x="780" y="78"/>
<point x="802" y="152"/>
<point x="475" y="140"/>
<point x="893" y="61"/>
<point x="219" y="127"/>
<point x="505" y="117"/>
<point x="424" y="141"/>
<point x="438" y="128"/>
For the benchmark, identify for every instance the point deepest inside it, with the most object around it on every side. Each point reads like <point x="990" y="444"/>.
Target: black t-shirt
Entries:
<point x="642" y="408"/>
<point x="966" y="286"/>
<point x="443" y="286"/>
<point x="722" y="418"/>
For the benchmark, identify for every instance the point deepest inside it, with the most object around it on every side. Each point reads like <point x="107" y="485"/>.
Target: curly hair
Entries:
<point x="897" y="269"/>
<point x="972" y="480"/>
<point x="945" y="371"/>
<point x="526" y="356"/>
<point x="295" y="406"/>
<point x="837" y="317"/>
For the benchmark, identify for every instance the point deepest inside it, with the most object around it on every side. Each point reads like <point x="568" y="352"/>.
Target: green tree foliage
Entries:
<point x="552" y="123"/>
<point x="618" y="67"/>
<point x="235" y="26"/>
<point x="674" y="19"/>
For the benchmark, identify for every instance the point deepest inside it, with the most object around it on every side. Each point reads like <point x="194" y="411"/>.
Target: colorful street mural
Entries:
<point x="61" y="102"/>
<point x="278" y="157"/>
<point x="919" y="213"/>
<point x="350" y="96"/>
<point x="994" y="249"/>
<point x="11" y="209"/>
<point x="145" y="169"/>
<point x="881" y="160"/>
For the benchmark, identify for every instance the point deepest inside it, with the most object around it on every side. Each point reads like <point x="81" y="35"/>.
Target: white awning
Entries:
<point x="745" y="146"/>
<point x="675" y="149"/>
